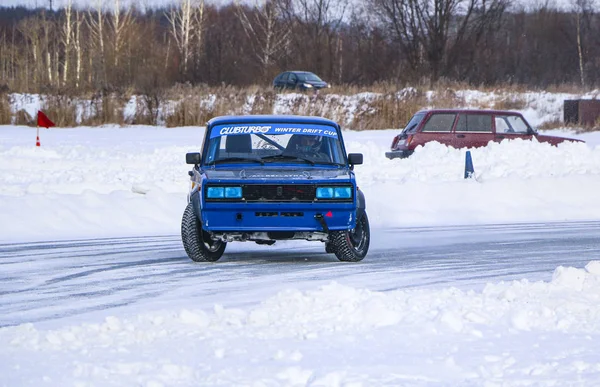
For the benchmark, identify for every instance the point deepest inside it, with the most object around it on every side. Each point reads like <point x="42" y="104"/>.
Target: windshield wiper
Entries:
<point x="288" y="157"/>
<point x="227" y="159"/>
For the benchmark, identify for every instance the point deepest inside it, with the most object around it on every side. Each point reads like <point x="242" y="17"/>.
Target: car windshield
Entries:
<point x="512" y="124"/>
<point x="262" y="144"/>
<point x="309" y="77"/>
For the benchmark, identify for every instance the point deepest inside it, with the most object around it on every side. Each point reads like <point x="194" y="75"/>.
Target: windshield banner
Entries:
<point x="270" y="129"/>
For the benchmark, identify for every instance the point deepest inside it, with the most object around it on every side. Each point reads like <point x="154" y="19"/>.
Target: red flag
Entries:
<point x="43" y="120"/>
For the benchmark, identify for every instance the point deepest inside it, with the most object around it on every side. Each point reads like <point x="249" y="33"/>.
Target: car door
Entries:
<point x="473" y="129"/>
<point x="510" y="127"/>
<point x="279" y="80"/>
<point x="282" y="81"/>
<point x="292" y="81"/>
<point x="437" y="127"/>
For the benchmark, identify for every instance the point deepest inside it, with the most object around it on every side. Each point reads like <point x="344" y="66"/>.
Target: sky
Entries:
<point x="93" y="182"/>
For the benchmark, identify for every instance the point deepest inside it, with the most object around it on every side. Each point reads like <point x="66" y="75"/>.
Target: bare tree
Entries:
<point x="47" y="28"/>
<point x="432" y="30"/>
<point x="317" y="22"/>
<point x="186" y="23"/>
<point x="95" y="22"/>
<point x="120" y="24"/>
<point x="79" y="18"/>
<point x="29" y="28"/>
<point x="583" y="10"/>
<point x="269" y="36"/>
<point x="67" y="38"/>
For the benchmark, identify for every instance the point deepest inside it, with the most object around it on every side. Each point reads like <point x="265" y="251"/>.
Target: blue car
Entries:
<point x="270" y="178"/>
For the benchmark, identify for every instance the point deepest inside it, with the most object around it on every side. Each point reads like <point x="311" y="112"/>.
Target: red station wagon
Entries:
<point x="464" y="129"/>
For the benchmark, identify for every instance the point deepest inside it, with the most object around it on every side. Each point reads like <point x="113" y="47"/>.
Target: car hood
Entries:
<point x="555" y="139"/>
<point x="316" y="83"/>
<point x="277" y="175"/>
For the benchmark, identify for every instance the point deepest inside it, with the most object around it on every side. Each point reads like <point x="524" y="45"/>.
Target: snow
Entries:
<point x="93" y="182"/>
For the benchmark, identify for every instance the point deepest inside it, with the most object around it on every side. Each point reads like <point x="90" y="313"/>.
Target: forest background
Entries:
<point x="192" y="50"/>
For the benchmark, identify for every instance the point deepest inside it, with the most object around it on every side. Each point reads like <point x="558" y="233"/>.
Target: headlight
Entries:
<point x="334" y="193"/>
<point x="307" y="85"/>
<point x="233" y="192"/>
<point x="224" y="192"/>
<point x="324" y="192"/>
<point x="342" y="193"/>
<point x="215" y="192"/>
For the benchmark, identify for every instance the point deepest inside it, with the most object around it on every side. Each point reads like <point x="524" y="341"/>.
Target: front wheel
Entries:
<point x="351" y="245"/>
<point x="197" y="243"/>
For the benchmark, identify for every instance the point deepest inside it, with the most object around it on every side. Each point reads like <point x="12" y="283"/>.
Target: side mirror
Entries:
<point x="193" y="158"/>
<point x="355" y="158"/>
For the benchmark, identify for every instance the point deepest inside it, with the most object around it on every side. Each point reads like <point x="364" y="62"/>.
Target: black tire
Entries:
<point x="197" y="243"/>
<point x="329" y="248"/>
<point x="353" y="245"/>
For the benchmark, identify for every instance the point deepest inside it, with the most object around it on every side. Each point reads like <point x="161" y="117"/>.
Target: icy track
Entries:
<point x="291" y="315"/>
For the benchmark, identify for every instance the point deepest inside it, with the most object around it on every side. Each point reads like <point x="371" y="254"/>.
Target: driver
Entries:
<point x="309" y="144"/>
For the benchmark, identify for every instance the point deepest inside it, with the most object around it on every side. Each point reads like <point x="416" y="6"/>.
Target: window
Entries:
<point x="413" y="123"/>
<point x="501" y="125"/>
<point x="511" y="124"/>
<point x="474" y="123"/>
<point x="440" y="123"/>
<point x="309" y="77"/>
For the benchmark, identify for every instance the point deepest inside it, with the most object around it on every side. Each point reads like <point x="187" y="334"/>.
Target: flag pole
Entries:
<point x="37" y="137"/>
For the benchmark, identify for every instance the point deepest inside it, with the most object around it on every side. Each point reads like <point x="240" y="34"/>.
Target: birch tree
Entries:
<point x="583" y="10"/>
<point x="67" y="38"/>
<point x="79" y="18"/>
<point x="186" y="24"/>
<point x="120" y="24"/>
<point x="269" y="36"/>
<point x="95" y="22"/>
<point x="48" y="42"/>
<point x="29" y="28"/>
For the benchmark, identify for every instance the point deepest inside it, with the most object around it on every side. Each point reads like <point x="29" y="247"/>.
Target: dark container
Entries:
<point x="581" y="111"/>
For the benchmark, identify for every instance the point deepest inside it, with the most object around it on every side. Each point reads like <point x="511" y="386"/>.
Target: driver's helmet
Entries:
<point x="309" y="143"/>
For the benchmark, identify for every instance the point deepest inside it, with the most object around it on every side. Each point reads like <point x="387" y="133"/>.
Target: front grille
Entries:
<point x="265" y="214"/>
<point x="279" y="192"/>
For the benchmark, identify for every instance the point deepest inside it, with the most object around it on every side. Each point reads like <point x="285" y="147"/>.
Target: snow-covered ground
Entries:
<point x="132" y="181"/>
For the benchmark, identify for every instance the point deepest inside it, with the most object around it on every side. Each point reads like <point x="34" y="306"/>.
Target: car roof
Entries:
<point x="479" y="111"/>
<point x="271" y="118"/>
<point x="298" y="72"/>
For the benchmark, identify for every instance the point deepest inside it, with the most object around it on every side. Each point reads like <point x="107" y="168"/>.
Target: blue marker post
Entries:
<point x="469" y="171"/>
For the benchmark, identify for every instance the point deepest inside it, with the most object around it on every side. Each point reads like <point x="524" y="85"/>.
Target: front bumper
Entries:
<point x="265" y="217"/>
<point x="398" y="154"/>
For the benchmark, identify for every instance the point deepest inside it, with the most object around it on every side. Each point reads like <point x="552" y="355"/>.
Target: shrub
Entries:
<point x="104" y="108"/>
<point x="61" y="109"/>
<point x="5" y="113"/>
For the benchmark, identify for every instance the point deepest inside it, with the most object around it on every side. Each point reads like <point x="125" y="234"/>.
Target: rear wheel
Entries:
<point x="197" y="243"/>
<point x="352" y="245"/>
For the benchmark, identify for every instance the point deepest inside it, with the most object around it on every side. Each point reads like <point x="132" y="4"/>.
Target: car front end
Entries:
<point x="270" y="178"/>
<point x="245" y="204"/>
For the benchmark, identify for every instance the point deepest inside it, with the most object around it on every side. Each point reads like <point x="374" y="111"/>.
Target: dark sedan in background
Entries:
<point x="299" y="80"/>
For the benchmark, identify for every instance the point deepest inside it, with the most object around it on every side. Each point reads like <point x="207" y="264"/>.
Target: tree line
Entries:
<point x="116" y="46"/>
